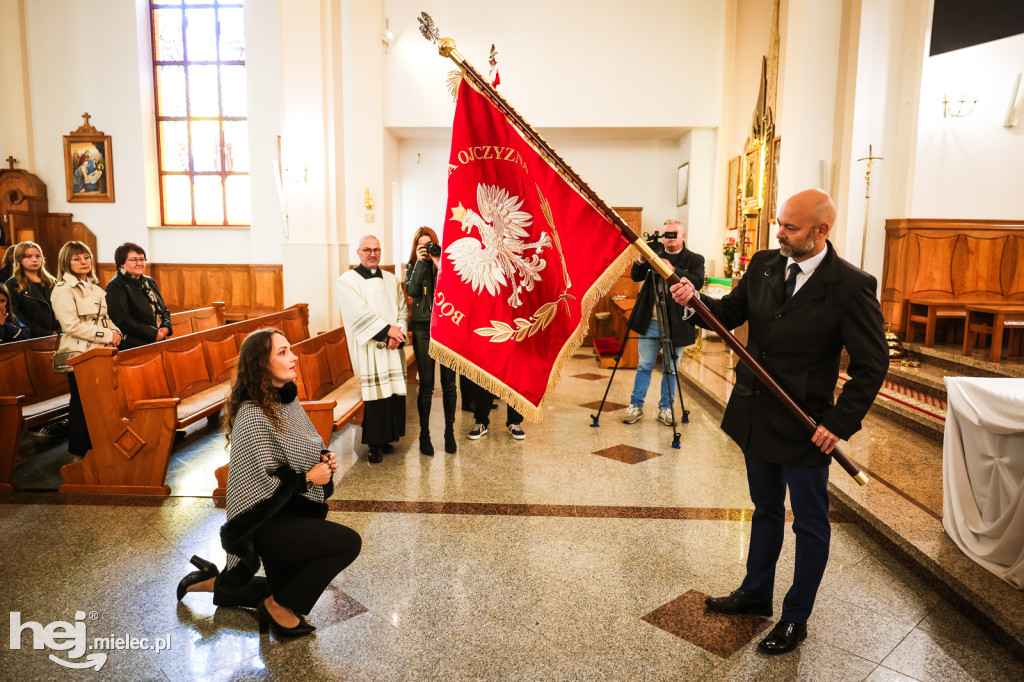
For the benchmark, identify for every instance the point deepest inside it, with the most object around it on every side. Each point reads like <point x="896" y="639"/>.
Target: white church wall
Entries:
<point x="81" y="59"/>
<point x="969" y="167"/>
<point x="623" y="172"/>
<point x="574" y="63"/>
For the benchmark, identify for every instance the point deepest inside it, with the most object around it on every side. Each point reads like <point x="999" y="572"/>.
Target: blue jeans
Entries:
<point x="647" y="348"/>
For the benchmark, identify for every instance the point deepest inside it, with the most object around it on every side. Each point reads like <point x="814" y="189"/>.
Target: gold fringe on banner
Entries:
<point x="451" y="359"/>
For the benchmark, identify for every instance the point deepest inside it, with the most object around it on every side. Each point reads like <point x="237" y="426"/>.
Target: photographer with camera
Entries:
<point x="644" y="321"/>
<point x="420" y="280"/>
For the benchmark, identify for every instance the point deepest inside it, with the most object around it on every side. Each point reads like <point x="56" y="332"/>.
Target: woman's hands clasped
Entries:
<point x="320" y="474"/>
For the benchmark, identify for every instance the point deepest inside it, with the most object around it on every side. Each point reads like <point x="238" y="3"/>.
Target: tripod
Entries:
<point x="669" y="359"/>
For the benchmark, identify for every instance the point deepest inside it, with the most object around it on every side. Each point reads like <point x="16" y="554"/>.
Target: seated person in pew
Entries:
<point x="30" y="288"/>
<point x="81" y="309"/>
<point x="11" y="329"/>
<point x="7" y="268"/>
<point x="279" y="475"/>
<point x="134" y="300"/>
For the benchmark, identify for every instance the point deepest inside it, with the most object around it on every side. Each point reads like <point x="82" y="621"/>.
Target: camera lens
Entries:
<point x="433" y="250"/>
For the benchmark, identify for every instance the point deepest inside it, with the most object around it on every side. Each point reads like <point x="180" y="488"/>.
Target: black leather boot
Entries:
<point x="423" y="404"/>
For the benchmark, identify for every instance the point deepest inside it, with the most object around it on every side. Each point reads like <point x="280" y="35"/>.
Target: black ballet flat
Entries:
<point x="206" y="571"/>
<point x="267" y="623"/>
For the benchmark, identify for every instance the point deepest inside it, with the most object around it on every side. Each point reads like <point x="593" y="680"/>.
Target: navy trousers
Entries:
<point x="808" y="495"/>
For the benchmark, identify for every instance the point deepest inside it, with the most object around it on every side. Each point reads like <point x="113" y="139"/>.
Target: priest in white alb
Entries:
<point x="374" y="313"/>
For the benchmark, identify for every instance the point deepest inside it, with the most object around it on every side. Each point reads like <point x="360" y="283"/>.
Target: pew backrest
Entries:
<point x="26" y="370"/>
<point x="200" y="319"/>
<point x="324" y="364"/>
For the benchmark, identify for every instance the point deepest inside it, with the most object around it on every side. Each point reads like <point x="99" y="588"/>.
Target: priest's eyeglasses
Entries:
<point x="375" y="251"/>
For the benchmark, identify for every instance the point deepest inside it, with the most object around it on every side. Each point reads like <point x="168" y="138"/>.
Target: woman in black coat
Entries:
<point x="134" y="301"/>
<point x="30" y="288"/>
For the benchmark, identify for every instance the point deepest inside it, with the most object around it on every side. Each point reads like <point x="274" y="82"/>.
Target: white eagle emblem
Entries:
<point x="497" y="258"/>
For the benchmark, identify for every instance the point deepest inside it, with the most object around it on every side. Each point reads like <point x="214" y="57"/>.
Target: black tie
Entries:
<point x="791" y="280"/>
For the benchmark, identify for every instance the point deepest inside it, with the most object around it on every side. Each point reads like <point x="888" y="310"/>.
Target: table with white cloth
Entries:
<point x="983" y="473"/>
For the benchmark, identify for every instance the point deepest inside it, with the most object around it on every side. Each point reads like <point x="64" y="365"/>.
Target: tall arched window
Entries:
<point x="202" y="130"/>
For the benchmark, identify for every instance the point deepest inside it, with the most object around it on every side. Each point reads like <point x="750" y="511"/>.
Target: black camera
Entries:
<point x="654" y="241"/>
<point x="433" y="249"/>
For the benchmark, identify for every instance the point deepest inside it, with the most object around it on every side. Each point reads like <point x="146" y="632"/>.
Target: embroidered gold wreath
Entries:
<point x="542" y="318"/>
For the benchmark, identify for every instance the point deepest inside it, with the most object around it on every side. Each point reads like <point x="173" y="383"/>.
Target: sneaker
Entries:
<point x="633" y="415"/>
<point x="665" y="417"/>
<point x="516" y="431"/>
<point x="478" y="431"/>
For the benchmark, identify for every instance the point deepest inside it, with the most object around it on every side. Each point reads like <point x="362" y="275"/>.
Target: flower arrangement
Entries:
<point x="729" y="249"/>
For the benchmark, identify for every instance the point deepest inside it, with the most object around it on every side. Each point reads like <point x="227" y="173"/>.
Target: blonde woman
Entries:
<point x="81" y="309"/>
<point x="30" y="289"/>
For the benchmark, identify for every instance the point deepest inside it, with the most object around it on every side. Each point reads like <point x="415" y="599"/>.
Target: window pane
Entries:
<point x="166" y="2"/>
<point x="202" y="90"/>
<point x="177" y="200"/>
<point x="174" y="145"/>
<point x="232" y="83"/>
<point x="236" y="146"/>
<point x="237" y="187"/>
<point x="167" y="29"/>
<point x="170" y="90"/>
<point x="232" y="35"/>
<point x="209" y="200"/>
<point x="205" y="146"/>
<point x="201" y="35"/>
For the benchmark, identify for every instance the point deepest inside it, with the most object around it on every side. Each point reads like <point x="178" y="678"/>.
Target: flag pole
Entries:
<point x="446" y="48"/>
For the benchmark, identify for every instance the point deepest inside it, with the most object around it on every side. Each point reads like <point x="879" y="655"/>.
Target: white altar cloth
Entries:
<point x="983" y="473"/>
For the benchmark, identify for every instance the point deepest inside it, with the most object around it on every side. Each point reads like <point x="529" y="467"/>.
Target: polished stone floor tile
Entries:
<point x="932" y="657"/>
<point x="608" y="406"/>
<point x="627" y="453"/>
<point x="688" y="617"/>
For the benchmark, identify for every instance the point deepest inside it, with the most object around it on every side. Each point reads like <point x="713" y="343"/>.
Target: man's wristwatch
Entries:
<point x="309" y="483"/>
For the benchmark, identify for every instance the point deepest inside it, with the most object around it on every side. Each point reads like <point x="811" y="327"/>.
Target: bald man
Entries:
<point x="804" y="304"/>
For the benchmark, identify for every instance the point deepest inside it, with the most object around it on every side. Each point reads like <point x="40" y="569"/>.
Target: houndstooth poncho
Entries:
<point x="266" y="472"/>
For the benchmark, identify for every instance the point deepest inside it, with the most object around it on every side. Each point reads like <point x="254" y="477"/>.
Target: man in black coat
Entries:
<point x="687" y="265"/>
<point x="803" y="304"/>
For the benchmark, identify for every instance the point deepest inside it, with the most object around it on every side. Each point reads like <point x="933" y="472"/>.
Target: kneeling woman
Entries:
<point x="279" y="475"/>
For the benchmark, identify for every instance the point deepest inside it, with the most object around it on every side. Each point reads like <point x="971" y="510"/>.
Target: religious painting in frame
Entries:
<point x="753" y="178"/>
<point x="682" y="184"/>
<point x="88" y="165"/>
<point x="732" y="193"/>
<point x="773" y="191"/>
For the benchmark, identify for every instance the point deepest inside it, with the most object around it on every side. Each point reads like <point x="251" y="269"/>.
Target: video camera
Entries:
<point x="654" y="241"/>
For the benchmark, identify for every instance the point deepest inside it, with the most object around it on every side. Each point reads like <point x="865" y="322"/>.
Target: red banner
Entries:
<point x="525" y="258"/>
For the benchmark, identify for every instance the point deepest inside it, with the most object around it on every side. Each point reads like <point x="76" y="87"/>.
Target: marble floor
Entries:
<point x="580" y="553"/>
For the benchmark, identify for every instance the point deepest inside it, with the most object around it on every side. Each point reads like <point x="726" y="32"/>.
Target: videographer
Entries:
<point x="644" y="319"/>
<point x="420" y="279"/>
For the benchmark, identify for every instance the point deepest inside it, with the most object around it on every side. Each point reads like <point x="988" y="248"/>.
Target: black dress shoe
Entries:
<point x="375" y="456"/>
<point x="740" y="603"/>
<point x="206" y="571"/>
<point x="388" y="449"/>
<point x="784" y="637"/>
<point x="267" y="623"/>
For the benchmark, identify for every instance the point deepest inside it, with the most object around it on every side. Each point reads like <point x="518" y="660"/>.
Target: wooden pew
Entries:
<point x="191" y="321"/>
<point x="135" y="400"/>
<point x="325" y="373"/>
<point x="328" y="388"/>
<point x="30" y="394"/>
